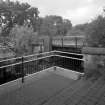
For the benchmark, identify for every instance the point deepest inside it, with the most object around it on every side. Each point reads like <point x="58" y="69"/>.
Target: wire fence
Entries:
<point x="20" y="67"/>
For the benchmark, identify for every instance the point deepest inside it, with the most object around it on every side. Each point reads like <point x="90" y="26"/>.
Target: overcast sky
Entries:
<point x="78" y="11"/>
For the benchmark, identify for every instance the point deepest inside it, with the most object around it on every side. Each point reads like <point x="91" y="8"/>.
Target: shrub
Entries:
<point x="94" y="66"/>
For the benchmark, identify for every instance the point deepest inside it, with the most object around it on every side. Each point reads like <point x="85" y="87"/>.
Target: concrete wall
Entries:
<point x="94" y="60"/>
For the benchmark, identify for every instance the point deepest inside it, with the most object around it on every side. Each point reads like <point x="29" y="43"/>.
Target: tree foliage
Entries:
<point x="96" y="32"/>
<point x="75" y="32"/>
<point x="13" y="18"/>
<point x="54" y="25"/>
<point x="78" y="30"/>
<point x="23" y="38"/>
<point x="16" y="13"/>
<point x="81" y="27"/>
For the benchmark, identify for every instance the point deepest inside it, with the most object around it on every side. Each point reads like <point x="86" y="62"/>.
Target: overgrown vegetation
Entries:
<point x="23" y="39"/>
<point x="19" y="23"/>
<point x="95" y="37"/>
<point x="94" y="66"/>
<point x="96" y="32"/>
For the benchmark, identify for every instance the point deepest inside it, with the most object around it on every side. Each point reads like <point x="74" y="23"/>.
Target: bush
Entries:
<point x="23" y="39"/>
<point x="94" y="66"/>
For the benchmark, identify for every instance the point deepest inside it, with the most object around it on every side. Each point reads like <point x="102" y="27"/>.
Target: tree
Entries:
<point x="15" y="13"/>
<point x="75" y="32"/>
<point x="47" y="27"/>
<point x="79" y="29"/>
<point x="66" y="26"/>
<point x="54" y="25"/>
<point x="96" y="32"/>
<point x="22" y="38"/>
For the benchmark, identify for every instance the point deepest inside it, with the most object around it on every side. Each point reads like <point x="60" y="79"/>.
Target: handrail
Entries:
<point x="10" y="65"/>
<point x="25" y="61"/>
<point x="68" y="52"/>
<point x="26" y="66"/>
<point x="40" y="59"/>
<point x="26" y="56"/>
<point x="55" y="51"/>
<point x="39" y="54"/>
<point x="70" y="57"/>
<point x="10" y="59"/>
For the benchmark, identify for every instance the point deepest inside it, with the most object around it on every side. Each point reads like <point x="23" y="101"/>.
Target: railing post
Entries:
<point x="22" y="70"/>
<point x="62" y="42"/>
<point x="54" y="62"/>
<point x="76" y="42"/>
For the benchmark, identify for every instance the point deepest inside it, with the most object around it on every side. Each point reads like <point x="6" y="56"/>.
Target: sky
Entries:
<point x="78" y="11"/>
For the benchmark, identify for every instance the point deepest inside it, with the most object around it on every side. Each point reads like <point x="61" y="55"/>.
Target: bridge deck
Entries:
<point x="54" y="89"/>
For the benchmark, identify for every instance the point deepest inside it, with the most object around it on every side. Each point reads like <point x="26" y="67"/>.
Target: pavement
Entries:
<point x="37" y="92"/>
<point x="55" y="89"/>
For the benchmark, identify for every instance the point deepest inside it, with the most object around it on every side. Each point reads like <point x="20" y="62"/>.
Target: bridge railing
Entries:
<point x="26" y="65"/>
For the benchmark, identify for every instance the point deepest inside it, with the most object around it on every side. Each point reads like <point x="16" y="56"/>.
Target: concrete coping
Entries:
<point x="93" y="51"/>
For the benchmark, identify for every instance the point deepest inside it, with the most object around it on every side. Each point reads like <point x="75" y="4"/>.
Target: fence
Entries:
<point x="12" y="69"/>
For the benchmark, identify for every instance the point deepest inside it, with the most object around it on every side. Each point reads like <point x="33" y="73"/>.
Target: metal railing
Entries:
<point x="20" y="67"/>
